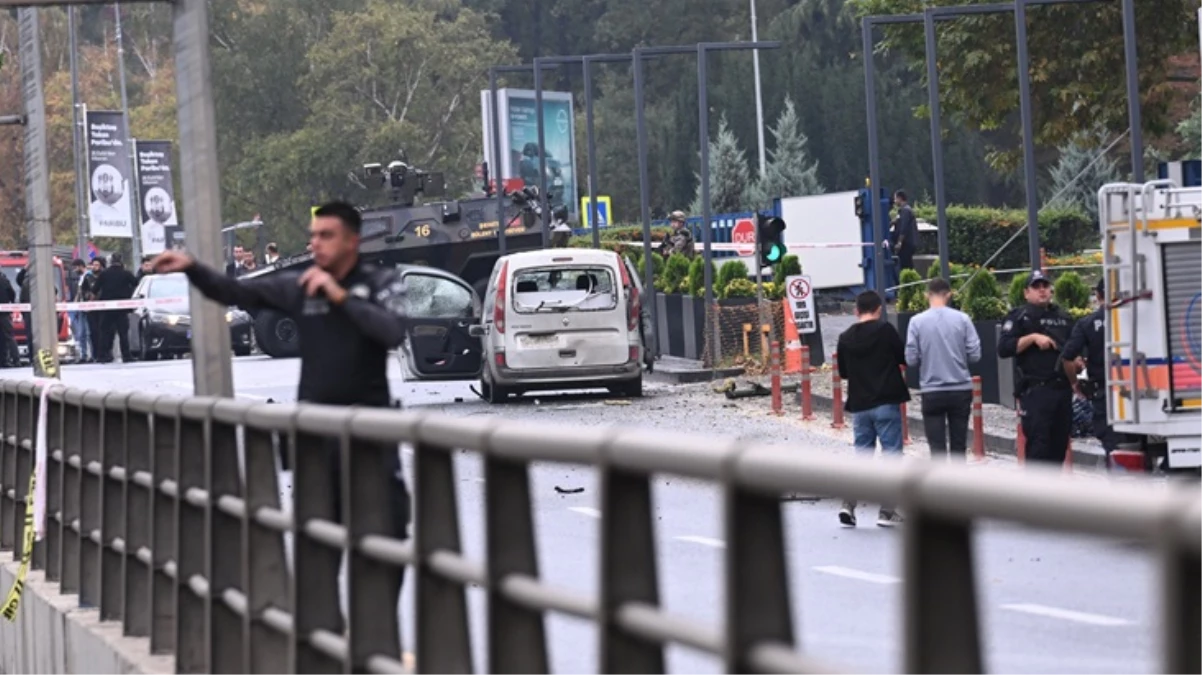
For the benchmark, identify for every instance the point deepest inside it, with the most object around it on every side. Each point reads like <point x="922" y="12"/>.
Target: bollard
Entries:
<point x="807" y="403"/>
<point x="747" y="341"/>
<point x="905" y="415"/>
<point x="836" y="393"/>
<point x="978" y="420"/>
<point x="777" y="404"/>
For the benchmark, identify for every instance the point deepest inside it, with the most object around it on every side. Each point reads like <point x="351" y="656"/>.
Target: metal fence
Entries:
<point x="164" y="513"/>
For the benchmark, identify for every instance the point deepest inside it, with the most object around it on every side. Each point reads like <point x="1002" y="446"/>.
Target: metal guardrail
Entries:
<point x="164" y="513"/>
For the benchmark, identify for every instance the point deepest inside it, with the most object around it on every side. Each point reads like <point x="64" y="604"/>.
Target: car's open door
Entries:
<point x="648" y="327"/>
<point x="440" y="309"/>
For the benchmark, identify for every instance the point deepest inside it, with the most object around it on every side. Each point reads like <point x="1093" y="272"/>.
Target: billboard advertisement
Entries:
<point x="156" y="193"/>
<point x="519" y="141"/>
<point x="108" y="164"/>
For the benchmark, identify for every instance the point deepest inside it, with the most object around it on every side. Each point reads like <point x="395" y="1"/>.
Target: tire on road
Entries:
<point x="277" y="334"/>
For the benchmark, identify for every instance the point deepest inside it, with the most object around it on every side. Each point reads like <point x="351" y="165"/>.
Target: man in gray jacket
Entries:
<point x="941" y="342"/>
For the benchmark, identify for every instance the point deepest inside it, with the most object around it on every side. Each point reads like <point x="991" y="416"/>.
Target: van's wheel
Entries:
<point x="277" y="334"/>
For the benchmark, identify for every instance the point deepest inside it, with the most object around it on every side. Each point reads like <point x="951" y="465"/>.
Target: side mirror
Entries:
<point x="476" y="331"/>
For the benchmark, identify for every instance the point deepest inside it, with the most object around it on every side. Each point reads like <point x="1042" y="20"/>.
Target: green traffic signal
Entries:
<point x="775" y="252"/>
<point x="770" y="239"/>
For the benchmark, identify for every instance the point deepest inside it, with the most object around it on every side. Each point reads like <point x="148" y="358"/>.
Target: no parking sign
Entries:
<point x="801" y="302"/>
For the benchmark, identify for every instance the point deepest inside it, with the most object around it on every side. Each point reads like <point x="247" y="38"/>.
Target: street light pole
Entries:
<point x="759" y="95"/>
<point x="43" y="351"/>
<point x="135" y="222"/>
<point x="77" y="139"/>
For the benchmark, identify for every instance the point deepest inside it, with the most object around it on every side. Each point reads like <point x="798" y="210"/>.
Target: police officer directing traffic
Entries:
<point x="1033" y="336"/>
<point x="348" y="315"/>
<point x="1088" y="342"/>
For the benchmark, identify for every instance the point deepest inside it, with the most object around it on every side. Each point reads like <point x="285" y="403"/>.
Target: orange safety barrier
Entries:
<point x="793" y="344"/>
<point x="978" y="420"/>
<point x="807" y="401"/>
<point x="777" y="403"/>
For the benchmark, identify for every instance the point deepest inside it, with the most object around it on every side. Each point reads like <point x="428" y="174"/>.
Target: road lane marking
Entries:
<point x="704" y="541"/>
<point x="1067" y="614"/>
<point x="585" y="511"/>
<point x="858" y="575"/>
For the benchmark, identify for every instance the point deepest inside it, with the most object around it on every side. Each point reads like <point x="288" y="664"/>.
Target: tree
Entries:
<point x="790" y="171"/>
<point x="1190" y="130"/>
<point x="730" y="177"/>
<point x="1081" y="170"/>
<point x="1077" y="62"/>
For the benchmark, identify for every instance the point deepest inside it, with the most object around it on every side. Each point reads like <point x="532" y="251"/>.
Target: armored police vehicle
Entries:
<point x="459" y="237"/>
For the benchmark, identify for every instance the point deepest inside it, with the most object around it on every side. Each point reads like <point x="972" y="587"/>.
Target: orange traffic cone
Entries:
<point x="792" y="342"/>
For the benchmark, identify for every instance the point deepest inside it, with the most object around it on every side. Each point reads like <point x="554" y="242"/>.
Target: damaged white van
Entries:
<point x="562" y="319"/>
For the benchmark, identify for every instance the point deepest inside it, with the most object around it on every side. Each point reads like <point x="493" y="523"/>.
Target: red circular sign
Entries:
<point x="743" y="236"/>
<point x="799" y="289"/>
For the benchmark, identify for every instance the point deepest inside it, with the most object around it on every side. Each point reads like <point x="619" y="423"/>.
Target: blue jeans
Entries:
<point x="883" y="423"/>
<point x="79" y="328"/>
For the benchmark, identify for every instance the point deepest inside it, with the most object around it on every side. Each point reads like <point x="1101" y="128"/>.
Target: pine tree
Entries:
<point x="1075" y="181"/>
<point x="730" y="177"/>
<point x="790" y="171"/>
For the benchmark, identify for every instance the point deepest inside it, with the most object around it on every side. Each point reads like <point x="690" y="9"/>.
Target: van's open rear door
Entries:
<point x="648" y="327"/>
<point x="439" y="311"/>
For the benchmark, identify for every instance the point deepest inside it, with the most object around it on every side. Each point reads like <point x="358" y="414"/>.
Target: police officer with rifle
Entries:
<point x="1033" y="335"/>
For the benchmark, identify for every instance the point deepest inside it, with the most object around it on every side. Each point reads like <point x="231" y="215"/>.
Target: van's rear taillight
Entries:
<point x="634" y="304"/>
<point x="498" y="310"/>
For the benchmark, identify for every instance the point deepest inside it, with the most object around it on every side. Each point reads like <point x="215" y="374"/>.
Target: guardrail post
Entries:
<point x="265" y="565"/>
<point x="227" y="646"/>
<point x="777" y="404"/>
<point x="315" y="588"/>
<point x="56" y="440"/>
<point x="72" y="490"/>
<point x="192" y="636"/>
<point x="756" y="576"/>
<point x="836" y="393"/>
<point x="1181" y="592"/>
<point x="112" y="515"/>
<point x="978" y="420"/>
<point x="138" y="494"/>
<point x="38" y="561"/>
<point x="26" y="408"/>
<point x="443" y="642"/>
<point x="942" y="634"/>
<point x="164" y="544"/>
<point x="370" y="508"/>
<point x="517" y="640"/>
<point x="88" y="524"/>
<point x="905" y="414"/>
<point x="8" y="463"/>
<point x="628" y="569"/>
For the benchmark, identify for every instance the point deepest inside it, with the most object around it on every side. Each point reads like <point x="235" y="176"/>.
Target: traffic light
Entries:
<point x="770" y="232"/>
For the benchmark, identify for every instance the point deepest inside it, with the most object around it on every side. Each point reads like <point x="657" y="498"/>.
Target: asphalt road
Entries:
<point x="1050" y="603"/>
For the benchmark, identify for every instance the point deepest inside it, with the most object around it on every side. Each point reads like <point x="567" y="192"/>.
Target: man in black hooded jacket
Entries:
<point x="869" y="357"/>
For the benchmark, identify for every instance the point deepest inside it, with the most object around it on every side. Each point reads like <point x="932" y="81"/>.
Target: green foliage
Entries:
<point x="730" y="176"/>
<point x="1071" y="291"/>
<point x="790" y="172"/>
<point x="697" y="277"/>
<point x="676" y="275"/>
<point x="911" y="298"/>
<point x="739" y="288"/>
<point x="735" y="269"/>
<point x="981" y="297"/>
<point x="1079" y="312"/>
<point x="1075" y="53"/>
<point x="976" y="233"/>
<point x="657" y="267"/>
<point x="789" y="266"/>
<point x="1081" y="170"/>
<point x="1190" y="131"/>
<point x="774" y="291"/>
<point x="985" y="308"/>
<point x="1018" y="286"/>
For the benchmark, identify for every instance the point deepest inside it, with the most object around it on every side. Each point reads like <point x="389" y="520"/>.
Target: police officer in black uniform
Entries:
<point x="1088" y="342"/>
<point x="1033" y="335"/>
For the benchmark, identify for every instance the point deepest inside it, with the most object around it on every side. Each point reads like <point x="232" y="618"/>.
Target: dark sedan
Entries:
<point x="167" y="331"/>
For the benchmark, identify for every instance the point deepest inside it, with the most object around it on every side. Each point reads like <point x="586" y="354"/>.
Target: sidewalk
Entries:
<point x="677" y="370"/>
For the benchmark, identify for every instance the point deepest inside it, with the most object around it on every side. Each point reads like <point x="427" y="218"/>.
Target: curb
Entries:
<point x="690" y="376"/>
<point x="994" y="444"/>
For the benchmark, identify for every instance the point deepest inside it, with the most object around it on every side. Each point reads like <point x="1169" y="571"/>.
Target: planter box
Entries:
<point x="681" y="327"/>
<point x="988" y="368"/>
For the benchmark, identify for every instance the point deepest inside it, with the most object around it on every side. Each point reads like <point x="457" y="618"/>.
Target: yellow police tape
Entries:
<point x="13" y="601"/>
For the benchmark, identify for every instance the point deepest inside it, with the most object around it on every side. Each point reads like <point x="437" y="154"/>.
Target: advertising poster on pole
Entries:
<point x="160" y="220"/>
<point x="108" y="162"/>
<point x="519" y="141"/>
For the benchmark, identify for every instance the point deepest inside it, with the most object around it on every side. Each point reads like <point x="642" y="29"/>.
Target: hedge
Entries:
<point x="975" y="233"/>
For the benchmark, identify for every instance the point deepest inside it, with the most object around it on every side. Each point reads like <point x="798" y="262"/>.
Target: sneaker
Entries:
<point x="889" y="518"/>
<point x="847" y="514"/>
